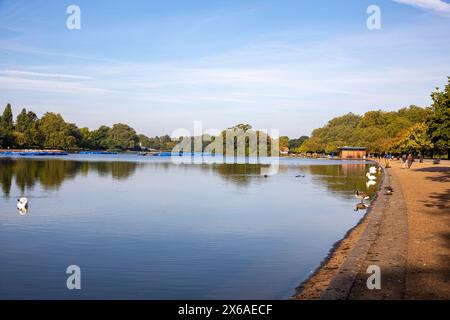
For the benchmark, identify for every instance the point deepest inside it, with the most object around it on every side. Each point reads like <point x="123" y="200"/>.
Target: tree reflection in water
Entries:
<point x="340" y="179"/>
<point x="51" y="173"/>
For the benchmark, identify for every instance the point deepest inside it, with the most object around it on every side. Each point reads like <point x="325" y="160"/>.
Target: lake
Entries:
<point x="147" y="228"/>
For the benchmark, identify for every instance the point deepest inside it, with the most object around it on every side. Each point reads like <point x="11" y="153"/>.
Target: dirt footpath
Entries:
<point x="406" y="234"/>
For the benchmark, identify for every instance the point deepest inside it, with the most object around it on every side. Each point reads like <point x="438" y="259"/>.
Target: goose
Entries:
<point x="389" y="188"/>
<point x="370" y="183"/>
<point x="361" y="195"/>
<point x="22" y="205"/>
<point x="361" y="206"/>
<point x="370" y="177"/>
<point x="388" y="192"/>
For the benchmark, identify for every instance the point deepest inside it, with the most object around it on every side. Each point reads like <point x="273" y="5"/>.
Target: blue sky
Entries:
<point x="276" y="64"/>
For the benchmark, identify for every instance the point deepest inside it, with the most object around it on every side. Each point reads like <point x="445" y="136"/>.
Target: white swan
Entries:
<point x="370" y="177"/>
<point x="22" y="205"/>
<point x="370" y="183"/>
<point x="373" y="170"/>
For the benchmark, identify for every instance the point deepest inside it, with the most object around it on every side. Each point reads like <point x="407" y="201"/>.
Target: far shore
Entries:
<point x="405" y="234"/>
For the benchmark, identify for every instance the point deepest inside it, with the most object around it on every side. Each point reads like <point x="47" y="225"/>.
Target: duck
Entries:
<point x="388" y="192"/>
<point x="389" y="188"/>
<point x="370" y="177"/>
<point x="300" y="176"/>
<point x="22" y="204"/>
<point x="361" y="206"/>
<point x="361" y="195"/>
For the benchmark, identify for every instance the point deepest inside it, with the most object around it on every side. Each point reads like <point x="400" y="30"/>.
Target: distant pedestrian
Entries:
<point x="410" y="160"/>
<point x="404" y="158"/>
<point x="387" y="160"/>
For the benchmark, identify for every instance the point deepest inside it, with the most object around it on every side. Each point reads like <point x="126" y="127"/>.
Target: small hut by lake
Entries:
<point x="352" y="152"/>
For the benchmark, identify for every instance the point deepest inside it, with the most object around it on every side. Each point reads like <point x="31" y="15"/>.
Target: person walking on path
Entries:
<point x="387" y="160"/>
<point x="404" y="158"/>
<point x="410" y="160"/>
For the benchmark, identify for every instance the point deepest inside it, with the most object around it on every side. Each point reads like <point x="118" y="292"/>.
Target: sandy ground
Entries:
<point x="426" y="189"/>
<point x="406" y="234"/>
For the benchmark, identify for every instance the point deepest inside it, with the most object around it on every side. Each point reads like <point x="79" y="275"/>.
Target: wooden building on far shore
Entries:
<point x="352" y="152"/>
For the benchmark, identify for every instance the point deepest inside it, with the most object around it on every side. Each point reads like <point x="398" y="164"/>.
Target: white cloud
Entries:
<point x="42" y="74"/>
<point x="438" y="6"/>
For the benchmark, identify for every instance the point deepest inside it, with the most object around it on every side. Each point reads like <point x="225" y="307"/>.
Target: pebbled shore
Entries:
<point x="406" y="234"/>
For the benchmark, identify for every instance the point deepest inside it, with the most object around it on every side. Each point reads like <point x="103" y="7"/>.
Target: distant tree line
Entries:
<point x="53" y="132"/>
<point x="408" y="130"/>
<point x="413" y="129"/>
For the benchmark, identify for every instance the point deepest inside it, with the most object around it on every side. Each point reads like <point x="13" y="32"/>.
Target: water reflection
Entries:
<point x="339" y="179"/>
<point x="51" y="173"/>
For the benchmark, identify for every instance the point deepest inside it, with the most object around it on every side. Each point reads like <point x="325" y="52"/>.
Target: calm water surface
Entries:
<point x="146" y="228"/>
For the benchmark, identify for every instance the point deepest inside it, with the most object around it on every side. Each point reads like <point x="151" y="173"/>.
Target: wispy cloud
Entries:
<point x="438" y="6"/>
<point x="43" y="74"/>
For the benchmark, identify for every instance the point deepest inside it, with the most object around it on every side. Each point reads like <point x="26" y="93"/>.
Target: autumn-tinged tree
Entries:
<point x="413" y="140"/>
<point x="439" y="120"/>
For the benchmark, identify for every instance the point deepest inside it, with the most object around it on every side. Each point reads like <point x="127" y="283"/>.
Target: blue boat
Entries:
<point x="97" y="152"/>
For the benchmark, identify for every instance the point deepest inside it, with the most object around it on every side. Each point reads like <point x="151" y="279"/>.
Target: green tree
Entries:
<point x="99" y="137"/>
<point x="438" y="120"/>
<point x="7" y="127"/>
<point x="295" y="144"/>
<point x="122" y="136"/>
<point x="56" y="133"/>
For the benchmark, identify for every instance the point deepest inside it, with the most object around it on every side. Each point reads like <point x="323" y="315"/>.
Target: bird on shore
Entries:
<point x="361" y="206"/>
<point x="22" y="205"/>
<point x="370" y="177"/>
<point x="388" y="190"/>
<point x="361" y="195"/>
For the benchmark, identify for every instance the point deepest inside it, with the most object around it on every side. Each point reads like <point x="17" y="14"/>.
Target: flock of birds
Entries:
<point x="22" y="203"/>
<point x="371" y="180"/>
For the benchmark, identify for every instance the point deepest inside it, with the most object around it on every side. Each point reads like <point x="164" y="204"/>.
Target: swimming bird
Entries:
<point x="361" y="206"/>
<point x="361" y="195"/>
<point x="22" y="205"/>
<point x="370" y="183"/>
<point x="300" y="176"/>
<point x="370" y="177"/>
<point x="373" y="170"/>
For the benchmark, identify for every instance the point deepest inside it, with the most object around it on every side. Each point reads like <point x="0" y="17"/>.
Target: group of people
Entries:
<point x="407" y="161"/>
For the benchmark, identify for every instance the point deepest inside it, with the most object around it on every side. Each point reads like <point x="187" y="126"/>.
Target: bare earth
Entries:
<point x="406" y="234"/>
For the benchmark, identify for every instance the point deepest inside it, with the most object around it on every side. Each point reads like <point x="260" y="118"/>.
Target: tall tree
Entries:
<point x="439" y="120"/>
<point x="7" y="127"/>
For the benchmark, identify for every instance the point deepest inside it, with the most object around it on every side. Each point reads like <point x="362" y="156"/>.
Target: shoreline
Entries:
<point x="320" y="279"/>
<point x="405" y="234"/>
